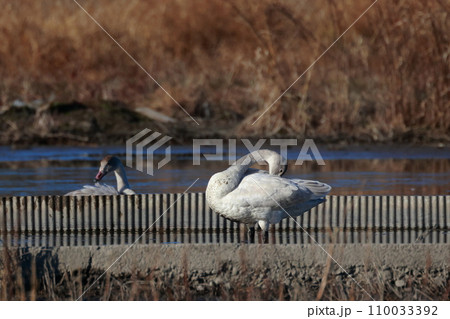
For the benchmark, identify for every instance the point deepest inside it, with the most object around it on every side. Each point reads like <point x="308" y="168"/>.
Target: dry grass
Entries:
<point x="40" y="280"/>
<point x="386" y="79"/>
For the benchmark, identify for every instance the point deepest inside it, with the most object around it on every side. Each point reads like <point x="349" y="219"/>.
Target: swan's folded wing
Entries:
<point x="98" y="189"/>
<point x="264" y="190"/>
<point x="318" y="189"/>
<point x="300" y="208"/>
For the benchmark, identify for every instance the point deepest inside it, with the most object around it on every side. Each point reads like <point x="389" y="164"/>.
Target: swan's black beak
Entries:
<point x="283" y="170"/>
<point x="99" y="176"/>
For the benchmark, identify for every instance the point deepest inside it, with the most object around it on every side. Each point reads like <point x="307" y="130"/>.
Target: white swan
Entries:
<point x="107" y="165"/>
<point x="253" y="196"/>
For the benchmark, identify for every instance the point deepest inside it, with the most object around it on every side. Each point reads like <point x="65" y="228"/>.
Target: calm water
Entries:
<point x="359" y="170"/>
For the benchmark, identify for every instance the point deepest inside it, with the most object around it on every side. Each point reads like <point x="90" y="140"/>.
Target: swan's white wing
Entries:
<point x="259" y="189"/>
<point x="318" y="189"/>
<point x="300" y="208"/>
<point x="97" y="189"/>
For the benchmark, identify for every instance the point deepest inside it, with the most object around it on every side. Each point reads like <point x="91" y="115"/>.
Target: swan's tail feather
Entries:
<point x="318" y="189"/>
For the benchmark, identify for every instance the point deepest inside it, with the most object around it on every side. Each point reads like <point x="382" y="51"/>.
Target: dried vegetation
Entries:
<point x="386" y="79"/>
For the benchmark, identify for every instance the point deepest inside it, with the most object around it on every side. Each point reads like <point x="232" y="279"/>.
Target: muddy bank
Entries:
<point x="112" y="123"/>
<point x="239" y="272"/>
<point x="103" y="123"/>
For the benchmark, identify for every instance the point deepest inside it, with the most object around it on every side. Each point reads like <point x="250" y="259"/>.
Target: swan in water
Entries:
<point x="257" y="197"/>
<point x="107" y="165"/>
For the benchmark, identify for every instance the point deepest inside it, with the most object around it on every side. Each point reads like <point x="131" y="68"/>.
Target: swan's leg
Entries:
<point x="266" y="237"/>
<point x="250" y="234"/>
<point x="265" y="229"/>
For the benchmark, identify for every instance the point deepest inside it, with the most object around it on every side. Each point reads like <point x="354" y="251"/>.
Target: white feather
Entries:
<point x="97" y="189"/>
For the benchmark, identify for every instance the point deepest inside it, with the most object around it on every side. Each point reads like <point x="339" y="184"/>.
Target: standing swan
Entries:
<point x="252" y="196"/>
<point x="107" y="165"/>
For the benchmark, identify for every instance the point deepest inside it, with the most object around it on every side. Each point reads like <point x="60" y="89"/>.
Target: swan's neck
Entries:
<point x="261" y="157"/>
<point x="243" y="164"/>
<point x="121" y="177"/>
<point x="225" y="182"/>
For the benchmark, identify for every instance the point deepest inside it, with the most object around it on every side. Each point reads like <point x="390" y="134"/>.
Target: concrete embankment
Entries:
<point x="211" y="258"/>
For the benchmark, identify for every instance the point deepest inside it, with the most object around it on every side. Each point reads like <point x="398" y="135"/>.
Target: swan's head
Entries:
<point x="107" y="165"/>
<point x="280" y="170"/>
<point x="277" y="163"/>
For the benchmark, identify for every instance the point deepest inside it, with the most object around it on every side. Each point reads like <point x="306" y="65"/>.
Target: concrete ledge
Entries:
<point x="212" y="258"/>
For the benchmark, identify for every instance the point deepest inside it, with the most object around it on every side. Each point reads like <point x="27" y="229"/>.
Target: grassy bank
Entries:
<point x="226" y="272"/>
<point x="386" y="79"/>
<point x="419" y="286"/>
